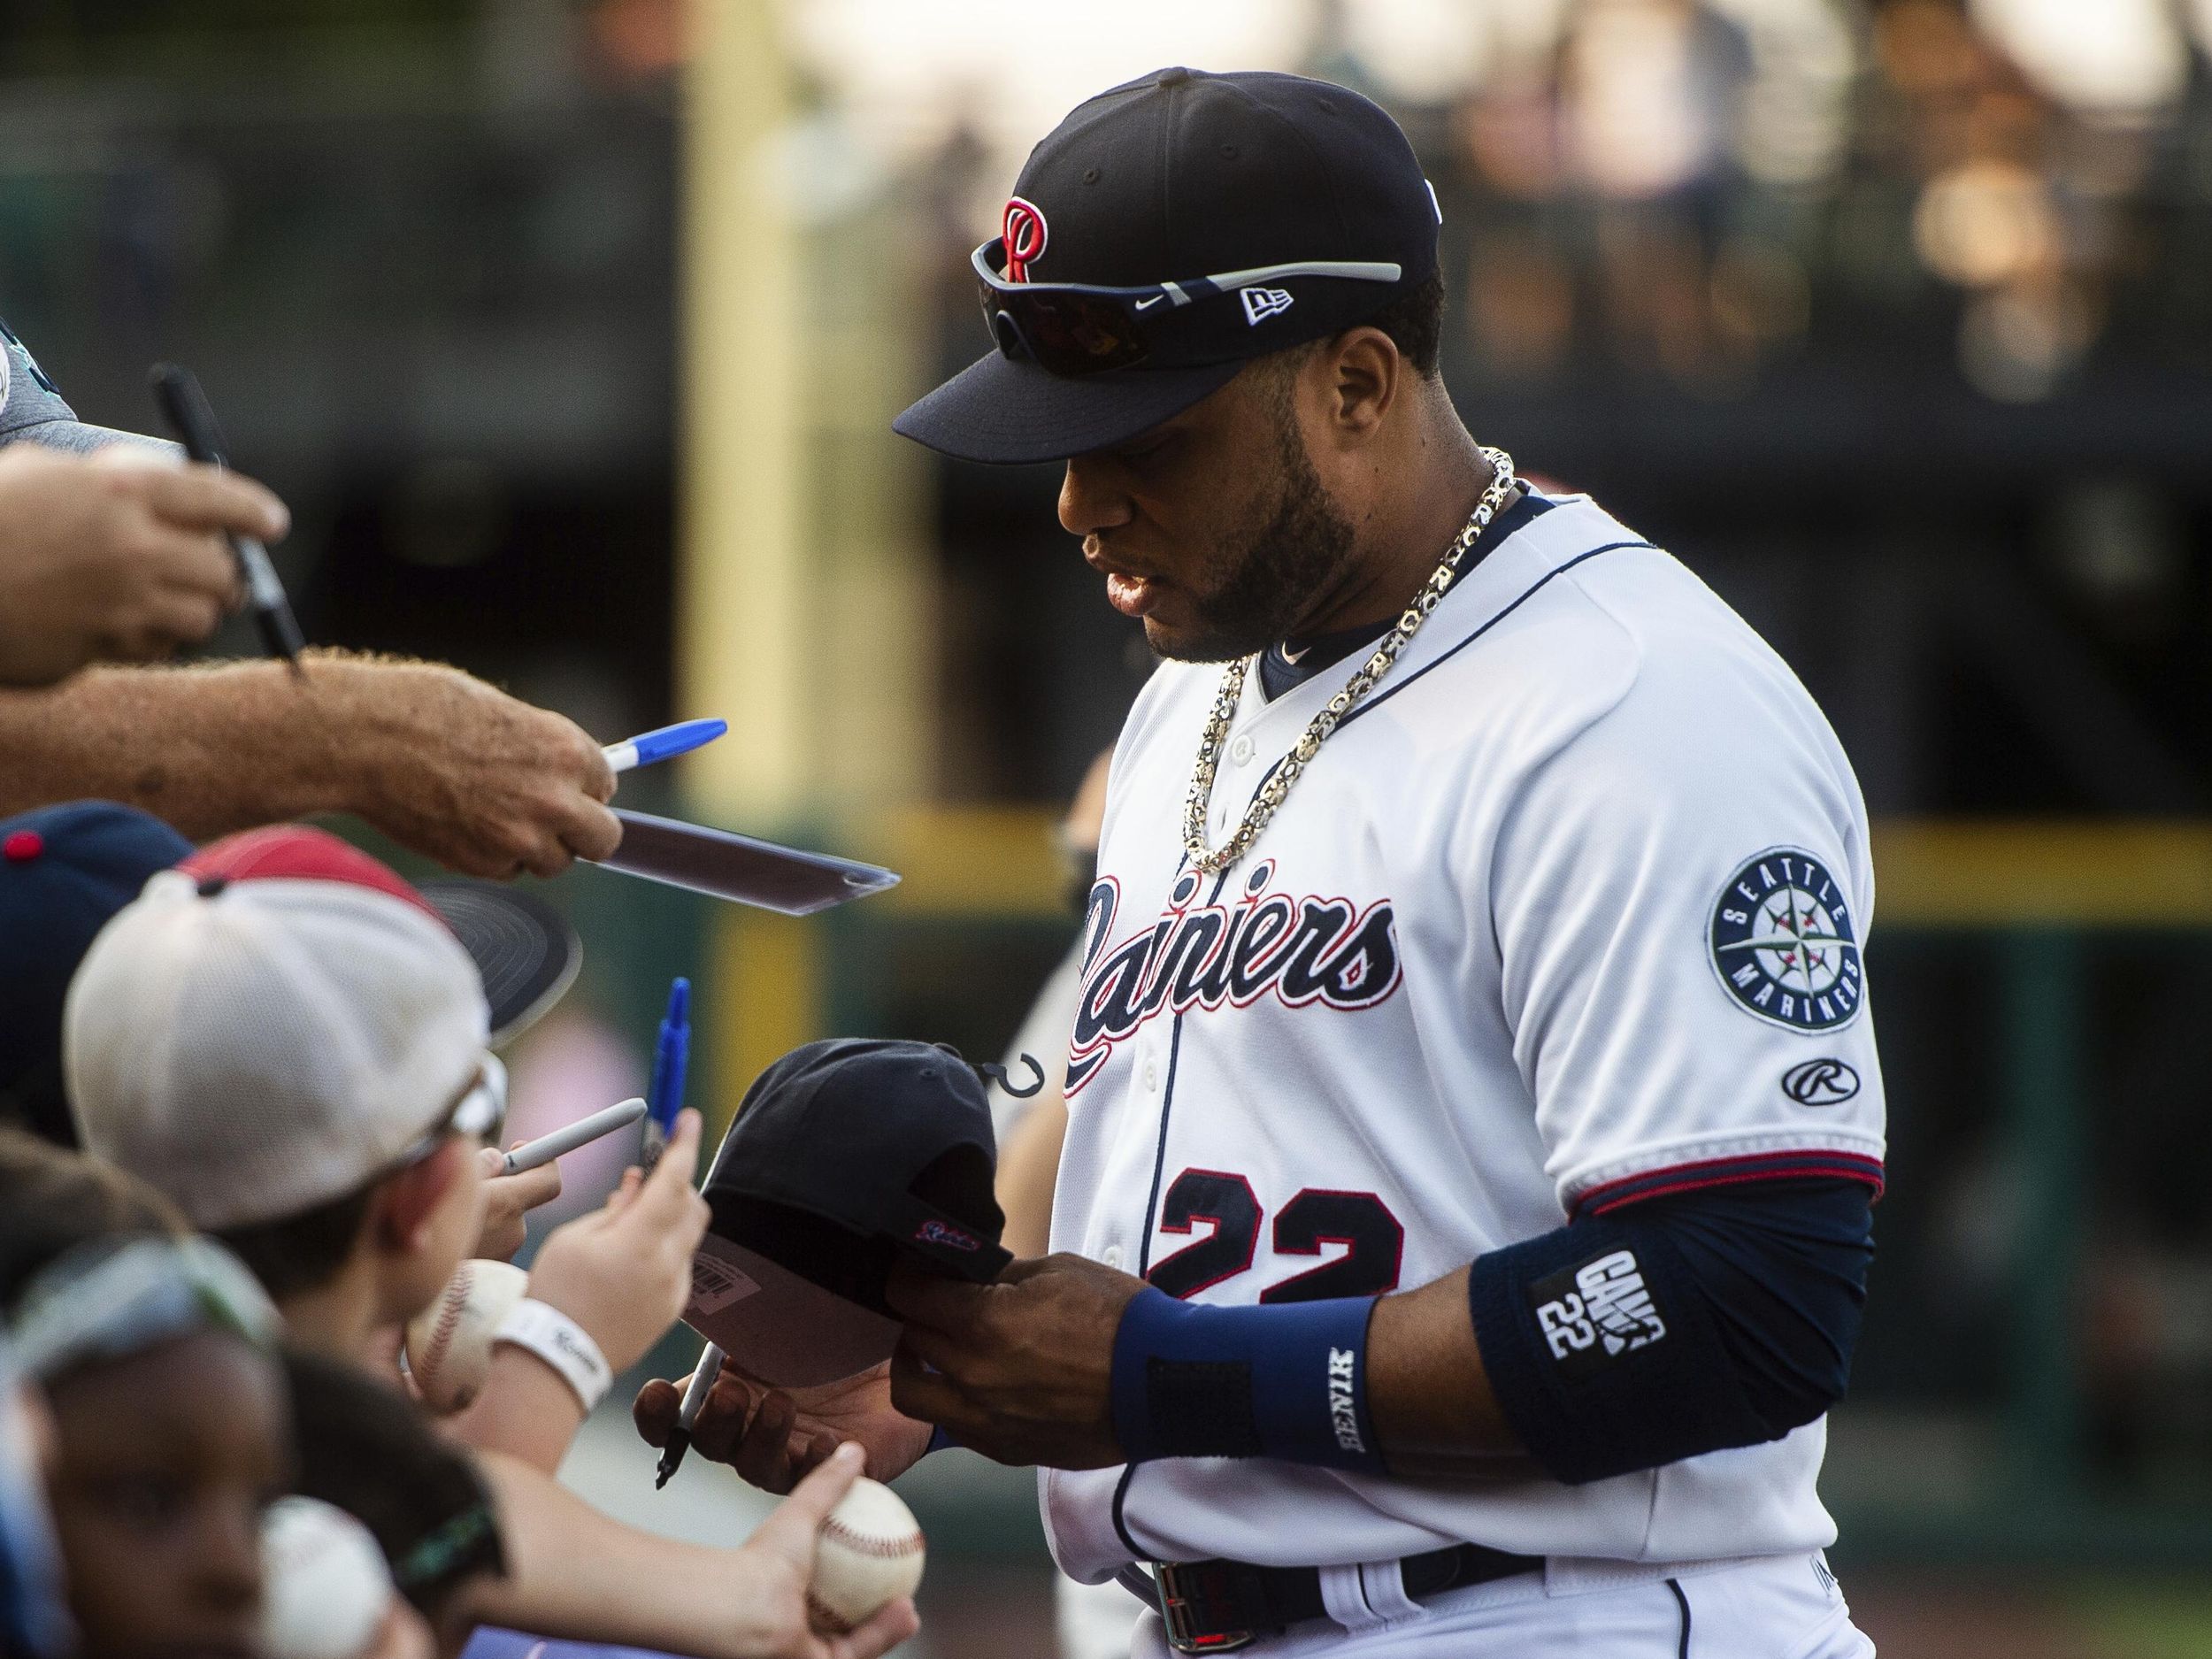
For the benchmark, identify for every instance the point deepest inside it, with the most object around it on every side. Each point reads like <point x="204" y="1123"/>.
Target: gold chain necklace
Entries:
<point x="1271" y="795"/>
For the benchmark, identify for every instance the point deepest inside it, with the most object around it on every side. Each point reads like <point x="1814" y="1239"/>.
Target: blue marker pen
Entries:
<point x="663" y="743"/>
<point x="664" y="1095"/>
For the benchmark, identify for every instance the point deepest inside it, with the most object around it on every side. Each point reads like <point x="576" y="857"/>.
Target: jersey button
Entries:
<point x="1112" y="1258"/>
<point x="1240" y="752"/>
<point x="1151" y="1075"/>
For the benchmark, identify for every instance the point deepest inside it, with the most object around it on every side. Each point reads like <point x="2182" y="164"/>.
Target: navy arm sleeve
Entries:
<point x="1676" y="1326"/>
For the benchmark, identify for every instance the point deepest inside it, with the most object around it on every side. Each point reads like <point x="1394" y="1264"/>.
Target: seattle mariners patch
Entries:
<point x="1783" y="943"/>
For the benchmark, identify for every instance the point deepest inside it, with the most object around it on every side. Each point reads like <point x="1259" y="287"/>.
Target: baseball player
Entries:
<point x="1473" y="1115"/>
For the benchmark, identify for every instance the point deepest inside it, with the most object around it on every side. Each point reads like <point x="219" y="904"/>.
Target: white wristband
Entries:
<point x="561" y="1343"/>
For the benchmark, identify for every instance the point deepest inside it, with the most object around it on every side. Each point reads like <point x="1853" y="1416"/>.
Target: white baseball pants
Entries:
<point x="1779" y="1606"/>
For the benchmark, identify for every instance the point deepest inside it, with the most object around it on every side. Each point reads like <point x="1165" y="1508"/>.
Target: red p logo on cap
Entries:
<point x="1023" y="231"/>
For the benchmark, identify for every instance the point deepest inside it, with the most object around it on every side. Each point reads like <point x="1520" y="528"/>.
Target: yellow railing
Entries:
<point x="1928" y="872"/>
<point x="997" y="863"/>
<point x="1933" y="873"/>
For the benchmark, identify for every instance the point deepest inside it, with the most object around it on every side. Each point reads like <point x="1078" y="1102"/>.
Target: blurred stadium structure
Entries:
<point x="572" y="328"/>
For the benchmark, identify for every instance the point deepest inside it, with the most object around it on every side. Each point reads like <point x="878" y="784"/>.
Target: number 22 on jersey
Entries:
<point x="1373" y="1239"/>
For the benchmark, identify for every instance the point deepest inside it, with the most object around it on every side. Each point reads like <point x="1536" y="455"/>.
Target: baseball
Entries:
<point x="324" y="1584"/>
<point x="869" y="1554"/>
<point x="450" y="1343"/>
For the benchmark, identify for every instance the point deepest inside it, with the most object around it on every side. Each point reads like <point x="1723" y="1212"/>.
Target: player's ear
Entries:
<point x="407" y="1202"/>
<point x="1366" y="376"/>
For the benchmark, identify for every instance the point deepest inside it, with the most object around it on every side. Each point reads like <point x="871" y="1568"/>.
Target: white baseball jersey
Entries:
<point x="1568" y="911"/>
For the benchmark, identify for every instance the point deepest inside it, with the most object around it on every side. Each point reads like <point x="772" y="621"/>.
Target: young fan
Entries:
<point x="363" y="1448"/>
<point x="299" y="1064"/>
<point x="59" y="1210"/>
<point x="173" y="1433"/>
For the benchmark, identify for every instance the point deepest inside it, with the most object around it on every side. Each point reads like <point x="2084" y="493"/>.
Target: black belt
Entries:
<point x="1219" y="1606"/>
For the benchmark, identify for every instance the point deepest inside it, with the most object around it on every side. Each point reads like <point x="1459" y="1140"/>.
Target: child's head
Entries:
<point x="364" y="1447"/>
<point x="300" y="1065"/>
<point x="157" y="1357"/>
<point x="63" y="870"/>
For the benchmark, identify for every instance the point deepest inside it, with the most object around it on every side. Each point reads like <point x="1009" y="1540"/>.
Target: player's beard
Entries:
<point x="1271" y="580"/>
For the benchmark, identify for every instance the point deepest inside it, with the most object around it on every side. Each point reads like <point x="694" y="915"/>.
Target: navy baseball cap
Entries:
<point x="63" y="871"/>
<point x="847" y="1158"/>
<point x="31" y="410"/>
<point x="1162" y="234"/>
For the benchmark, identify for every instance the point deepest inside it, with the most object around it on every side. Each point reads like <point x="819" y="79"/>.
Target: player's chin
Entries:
<point x="1195" y="639"/>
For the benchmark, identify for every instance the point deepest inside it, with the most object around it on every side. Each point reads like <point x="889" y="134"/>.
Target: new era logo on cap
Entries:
<point x="1260" y="303"/>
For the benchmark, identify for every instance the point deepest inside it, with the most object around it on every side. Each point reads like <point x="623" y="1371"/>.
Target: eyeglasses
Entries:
<point x="102" y="1301"/>
<point x="479" y="1112"/>
<point x="1078" y="328"/>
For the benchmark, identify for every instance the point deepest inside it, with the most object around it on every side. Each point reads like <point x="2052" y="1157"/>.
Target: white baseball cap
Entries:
<point x="255" y="1049"/>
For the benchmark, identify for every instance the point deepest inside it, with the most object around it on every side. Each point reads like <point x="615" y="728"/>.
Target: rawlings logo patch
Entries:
<point x="1820" y="1083"/>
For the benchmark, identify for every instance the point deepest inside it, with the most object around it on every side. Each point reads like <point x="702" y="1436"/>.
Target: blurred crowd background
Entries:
<point x="571" y="331"/>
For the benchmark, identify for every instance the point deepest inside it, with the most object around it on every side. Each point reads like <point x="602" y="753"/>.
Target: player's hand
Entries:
<point x="624" y="1271"/>
<point x="1021" y="1370"/>
<point x="507" y="1199"/>
<point x="448" y="766"/>
<point x="117" y="557"/>
<point x="773" y="1436"/>
<point x="777" y="1563"/>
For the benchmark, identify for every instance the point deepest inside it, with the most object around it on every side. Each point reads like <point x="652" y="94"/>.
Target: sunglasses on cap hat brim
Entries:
<point x="1077" y="328"/>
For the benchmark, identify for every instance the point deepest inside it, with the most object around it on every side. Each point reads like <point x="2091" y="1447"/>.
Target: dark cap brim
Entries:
<point x="524" y="950"/>
<point x="783" y="1329"/>
<point x="1000" y="411"/>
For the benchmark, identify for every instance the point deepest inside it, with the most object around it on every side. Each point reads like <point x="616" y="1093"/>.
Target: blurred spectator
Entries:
<point x="172" y="1425"/>
<point x="126" y="559"/>
<point x="171" y="1431"/>
<point x="300" y="1065"/>
<point x="65" y="870"/>
<point x="364" y="1450"/>
<point x="119" y="559"/>
<point x="116" y="558"/>
<point x="442" y="763"/>
<point x="35" y="1621"/>
<point x="1649" y="92"/>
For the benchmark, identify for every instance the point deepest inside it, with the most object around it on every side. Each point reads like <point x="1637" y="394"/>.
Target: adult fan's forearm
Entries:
<point x="211" y="749"/>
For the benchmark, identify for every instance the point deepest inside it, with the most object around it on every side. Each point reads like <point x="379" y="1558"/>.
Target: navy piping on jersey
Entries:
<point x="1682" y="1647"/>
<point x="1278" y="675"/>
<point x="1445" y="655"/>
<point x="1159" y="1165"/>
<point x="1167" y="1092"/>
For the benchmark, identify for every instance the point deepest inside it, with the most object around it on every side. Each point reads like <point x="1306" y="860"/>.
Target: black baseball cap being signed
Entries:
<point x="847" y="1158"/>
<point x="1164" y="232"/>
